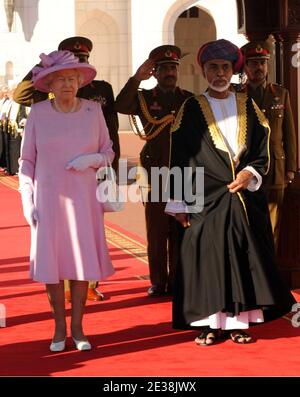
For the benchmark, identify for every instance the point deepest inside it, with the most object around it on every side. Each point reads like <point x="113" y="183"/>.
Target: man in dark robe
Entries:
<point x="227" y="277"/>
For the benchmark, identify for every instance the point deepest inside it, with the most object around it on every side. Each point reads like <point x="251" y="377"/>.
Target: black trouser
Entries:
<point x="3" y="139"/>
<point x="13" y="153"/>
<point x="163" y="246"/>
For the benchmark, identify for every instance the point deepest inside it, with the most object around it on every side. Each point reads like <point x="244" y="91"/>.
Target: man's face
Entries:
<point x="256" y="70"/>
<point x="166" y="75"/>
<point x="218" y="73"/>
<point x="82" y="58"/>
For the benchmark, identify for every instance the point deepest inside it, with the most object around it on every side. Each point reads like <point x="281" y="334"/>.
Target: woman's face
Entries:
<point x="64" y="84"/>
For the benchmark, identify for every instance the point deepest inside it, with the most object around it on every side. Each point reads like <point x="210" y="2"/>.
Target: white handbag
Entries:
<point x="108" y="192"/>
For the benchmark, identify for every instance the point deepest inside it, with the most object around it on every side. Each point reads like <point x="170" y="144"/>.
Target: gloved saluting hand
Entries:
<point x="83" y="162"/>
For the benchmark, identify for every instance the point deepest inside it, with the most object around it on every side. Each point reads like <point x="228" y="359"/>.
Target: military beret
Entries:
<point x="165" y="54"/>
<point x="256" y="50"/>
<point x="77" y="44"/>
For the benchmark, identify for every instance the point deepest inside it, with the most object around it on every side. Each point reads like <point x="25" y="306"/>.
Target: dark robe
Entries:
<point x="227" y="254"/>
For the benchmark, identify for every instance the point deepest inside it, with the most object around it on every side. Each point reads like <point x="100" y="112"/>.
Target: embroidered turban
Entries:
<point x="221" y="49"/>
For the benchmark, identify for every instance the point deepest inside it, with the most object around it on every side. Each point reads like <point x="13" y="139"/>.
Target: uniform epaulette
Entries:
<point x="183" y="90"/>
<point x="276" y="89"/>
<point x="276" y="86"/>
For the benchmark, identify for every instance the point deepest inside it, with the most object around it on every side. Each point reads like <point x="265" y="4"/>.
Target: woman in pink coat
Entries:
<point x="65" y="141"/>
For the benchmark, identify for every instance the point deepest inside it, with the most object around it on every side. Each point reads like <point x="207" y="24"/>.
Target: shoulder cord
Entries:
<point x="151" y="121"/>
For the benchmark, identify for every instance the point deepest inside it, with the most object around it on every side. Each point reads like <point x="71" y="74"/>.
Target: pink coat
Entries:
<point x="69" y="240"/>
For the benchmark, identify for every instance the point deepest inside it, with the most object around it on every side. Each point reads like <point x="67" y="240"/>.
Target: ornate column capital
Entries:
<point x="9" y="6"/>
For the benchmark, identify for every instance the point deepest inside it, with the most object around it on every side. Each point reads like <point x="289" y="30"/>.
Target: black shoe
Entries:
<point x="156" y="290"/>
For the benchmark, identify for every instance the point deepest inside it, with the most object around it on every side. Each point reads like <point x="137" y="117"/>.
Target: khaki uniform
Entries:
<point x="274" y="101"/>
<point x="161" y="228"/>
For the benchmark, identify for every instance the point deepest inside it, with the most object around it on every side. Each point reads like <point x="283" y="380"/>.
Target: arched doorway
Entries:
<point x="193" y="28"/>
<point x="103" y="31"/>
<point x="9" y="72"/>
<point x="189" y="24"/>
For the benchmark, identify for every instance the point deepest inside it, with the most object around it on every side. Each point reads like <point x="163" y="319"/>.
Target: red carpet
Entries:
<point x="131" y="333"/>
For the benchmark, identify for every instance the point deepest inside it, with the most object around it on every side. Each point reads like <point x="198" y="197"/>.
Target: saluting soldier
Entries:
<point x="98" y="90"/>
<point x="4" y="107"/>
<point x="274" y="101"/>
<point x="157" y="109"/>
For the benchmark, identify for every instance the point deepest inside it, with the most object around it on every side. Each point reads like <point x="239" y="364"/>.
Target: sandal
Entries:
<point x="207" y="337"/>
<point x="241" y="337"/>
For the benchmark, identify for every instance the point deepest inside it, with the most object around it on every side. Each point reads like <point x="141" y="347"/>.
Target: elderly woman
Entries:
<point x="65" y="141"/>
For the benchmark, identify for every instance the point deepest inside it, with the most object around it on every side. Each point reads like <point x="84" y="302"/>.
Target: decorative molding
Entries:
<point x="294" y="13"/>
<point x="241" y="16"/>
<point x="9" y="6"/>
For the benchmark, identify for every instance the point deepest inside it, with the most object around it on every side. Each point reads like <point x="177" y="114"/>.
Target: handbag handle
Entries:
<point x="110" y="170"/>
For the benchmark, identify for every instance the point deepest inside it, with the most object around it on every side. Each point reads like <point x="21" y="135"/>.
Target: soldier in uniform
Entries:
<point x="17" y="115"/>
<point x="98" y="90"/>
<point x="4" y="107"/>
<point x="274" y="101"/>
<point x="157" y="109"/>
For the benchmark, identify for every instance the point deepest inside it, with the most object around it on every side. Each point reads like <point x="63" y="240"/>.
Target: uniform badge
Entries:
<point x="155" y="106"/>
<point x="100" y="99"/>
<point x="259" y="49"/>
<point x="276" y="105"/>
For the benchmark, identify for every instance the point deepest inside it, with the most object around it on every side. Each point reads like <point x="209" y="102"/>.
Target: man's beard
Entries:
<point x="259" y="77"/>
<point x="219" y="88"/>
<point x="169" y="80"/>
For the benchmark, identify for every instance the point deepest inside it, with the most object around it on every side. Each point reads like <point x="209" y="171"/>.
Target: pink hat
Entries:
<point x="60" y="60"/>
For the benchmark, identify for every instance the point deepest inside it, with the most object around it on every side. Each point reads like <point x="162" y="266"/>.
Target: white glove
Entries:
<point x="22" y="123"/>
<point x="83" y="162"/>
<point x="29" y="210"/>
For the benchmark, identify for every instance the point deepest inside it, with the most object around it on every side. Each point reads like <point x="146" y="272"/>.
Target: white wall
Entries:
<point x="39" y="26"/>
<point x="153" y="24"/>
<point x="147" y="20"/>
<point x="124" y="31"/>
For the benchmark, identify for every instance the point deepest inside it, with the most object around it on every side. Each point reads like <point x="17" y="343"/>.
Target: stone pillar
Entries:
<point x="281" y="18"/>
<point x="289" y="243"/>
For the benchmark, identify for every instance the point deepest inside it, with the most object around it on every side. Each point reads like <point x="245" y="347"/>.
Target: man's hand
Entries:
<point x="145" y="71"/>
<point x="241" y="181"/>
<point x="183" y="218"/>
<point x="289" y="177"/>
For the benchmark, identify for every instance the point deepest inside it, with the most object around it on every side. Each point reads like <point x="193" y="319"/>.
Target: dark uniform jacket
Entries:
<point x="274" y="102"/>
<point x="155" y="152"/>
<point x="98" y="90"/>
